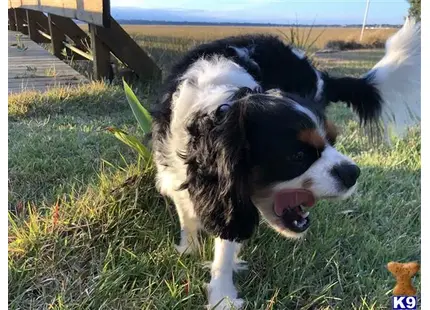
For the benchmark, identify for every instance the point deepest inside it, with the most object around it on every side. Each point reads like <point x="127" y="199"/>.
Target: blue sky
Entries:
<point x="285" y="11"/>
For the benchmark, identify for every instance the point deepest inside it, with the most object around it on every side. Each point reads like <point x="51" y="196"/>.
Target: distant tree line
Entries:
<point x="155" y="22"/>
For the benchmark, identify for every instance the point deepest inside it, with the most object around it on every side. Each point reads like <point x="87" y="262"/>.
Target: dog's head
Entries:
<point x="271" y="152"/>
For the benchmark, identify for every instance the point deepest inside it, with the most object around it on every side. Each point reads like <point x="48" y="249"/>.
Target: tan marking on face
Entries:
<point x="331" y="132"/>
<point x="312" y="137"/>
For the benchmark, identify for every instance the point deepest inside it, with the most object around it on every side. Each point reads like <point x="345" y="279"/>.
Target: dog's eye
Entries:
<point x="222" y="110"/>
<point x="299" y="156"/>
<point x="296" y="157"/>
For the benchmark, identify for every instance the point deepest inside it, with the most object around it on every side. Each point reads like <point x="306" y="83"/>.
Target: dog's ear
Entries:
<point x="218" y="174"/>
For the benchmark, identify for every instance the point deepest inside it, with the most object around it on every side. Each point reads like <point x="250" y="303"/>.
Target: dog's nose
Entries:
<point x="346" y="173"/>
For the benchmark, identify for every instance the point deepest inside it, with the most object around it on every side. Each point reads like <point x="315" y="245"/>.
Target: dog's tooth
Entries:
<point x="305" y="215"/>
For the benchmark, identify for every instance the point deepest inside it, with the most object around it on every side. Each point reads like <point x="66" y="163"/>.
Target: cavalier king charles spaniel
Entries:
<point x="240" y="132"/>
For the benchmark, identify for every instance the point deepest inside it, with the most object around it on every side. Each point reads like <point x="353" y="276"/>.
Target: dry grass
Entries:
<point x="206" y="33"/>
<point x="166" y="44"/>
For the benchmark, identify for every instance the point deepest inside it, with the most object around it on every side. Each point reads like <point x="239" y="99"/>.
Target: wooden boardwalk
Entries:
<point x="31" y="67"/>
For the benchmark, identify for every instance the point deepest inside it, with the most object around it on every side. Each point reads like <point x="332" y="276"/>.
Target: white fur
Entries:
<point x="298" y="52"/>
<point x="312" y="116"/>
<point x="221" y="290"/>
<point x="244" y="53"/>
<point x="323" y="183"/>
<point x="320" y="86"/>
<point x="218" y="71"/>
<point x="398" y="78"/>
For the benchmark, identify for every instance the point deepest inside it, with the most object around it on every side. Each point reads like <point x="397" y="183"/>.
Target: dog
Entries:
<point x="240" y="132"/>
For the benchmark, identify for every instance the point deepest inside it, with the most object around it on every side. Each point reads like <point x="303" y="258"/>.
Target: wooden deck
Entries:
<point x="33" y="67"/>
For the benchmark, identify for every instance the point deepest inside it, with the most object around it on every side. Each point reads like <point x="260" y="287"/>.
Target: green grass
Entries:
<point x="87" y="230"/>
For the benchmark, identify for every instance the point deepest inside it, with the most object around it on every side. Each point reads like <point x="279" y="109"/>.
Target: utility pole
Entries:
<point x="364" y="20"/>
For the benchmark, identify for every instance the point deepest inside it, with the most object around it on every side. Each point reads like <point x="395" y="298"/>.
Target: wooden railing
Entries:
<point x="51" y="21"/>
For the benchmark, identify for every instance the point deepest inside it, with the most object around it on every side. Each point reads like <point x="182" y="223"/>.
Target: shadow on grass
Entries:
<point x="51" y="160"/>
<point x="58" y="141"/>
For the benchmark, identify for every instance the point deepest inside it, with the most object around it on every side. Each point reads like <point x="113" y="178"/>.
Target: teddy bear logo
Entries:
<point x="403" y="273"/>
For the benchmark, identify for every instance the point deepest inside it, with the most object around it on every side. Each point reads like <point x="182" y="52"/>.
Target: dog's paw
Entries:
<point x="227" y="304"/>
<point x="188" y="244"/>
<point x="240" y="265"/>
<point x="186" y="249"/>
<point x="222" y="295"/>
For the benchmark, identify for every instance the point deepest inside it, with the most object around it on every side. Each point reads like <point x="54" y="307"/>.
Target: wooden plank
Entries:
<point x="57" y="38"/>
<point x="82" y="55"/>
<point x="128" y="51"/>
<point x="95" y="12"/>
<point x="101" y="55"/>
<point x="33" y="27"/>
<point x="35" y="68"/>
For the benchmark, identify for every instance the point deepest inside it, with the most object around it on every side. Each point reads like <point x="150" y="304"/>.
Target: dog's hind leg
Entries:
<point x="190" y="226"/>
<point x="239" y="264"/>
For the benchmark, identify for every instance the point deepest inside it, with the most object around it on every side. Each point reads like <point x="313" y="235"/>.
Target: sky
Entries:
<point x="284" y="11"/>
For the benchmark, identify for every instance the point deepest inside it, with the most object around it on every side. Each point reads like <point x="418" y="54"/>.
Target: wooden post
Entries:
<point x="41" y="20"/>
<point x="57" y="38"/>
<point x="128" y="51"/>
<point x="74" y="33"/>
<point x="19" y="21"/>
<point x="33" y="27"/>
<point x="71" y="30"/>
<point x="101" y="55"/>
<point x="11" y="16"/>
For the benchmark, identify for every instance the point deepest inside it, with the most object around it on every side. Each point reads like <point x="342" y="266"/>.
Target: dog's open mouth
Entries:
<point x="290" y="204"/>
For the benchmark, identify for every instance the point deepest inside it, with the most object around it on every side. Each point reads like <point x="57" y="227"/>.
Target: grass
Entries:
<point x="87" y="230"/>
<point x="182" y="34"/>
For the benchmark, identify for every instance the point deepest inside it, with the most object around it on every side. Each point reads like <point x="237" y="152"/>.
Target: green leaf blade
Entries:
<point x="132" y="142"/>
<point x="142" y="115"/>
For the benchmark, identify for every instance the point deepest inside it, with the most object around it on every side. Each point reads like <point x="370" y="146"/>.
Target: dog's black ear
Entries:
<point x="218" y="174"/>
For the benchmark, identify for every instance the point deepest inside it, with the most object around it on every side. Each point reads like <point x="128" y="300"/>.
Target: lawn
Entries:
<point x="87" y="230"/>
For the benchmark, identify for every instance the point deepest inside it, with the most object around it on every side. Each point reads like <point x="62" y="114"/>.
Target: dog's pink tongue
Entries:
<point x="289" y="198"/>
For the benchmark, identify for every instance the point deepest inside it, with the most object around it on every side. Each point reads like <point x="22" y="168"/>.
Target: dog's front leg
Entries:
<point x="221" y="291"/>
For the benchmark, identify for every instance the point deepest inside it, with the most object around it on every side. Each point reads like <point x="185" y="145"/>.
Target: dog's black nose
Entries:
<point x="346" y="173"/>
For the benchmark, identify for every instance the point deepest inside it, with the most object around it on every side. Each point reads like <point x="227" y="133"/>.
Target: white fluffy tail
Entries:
<point x="397" y="76"/>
